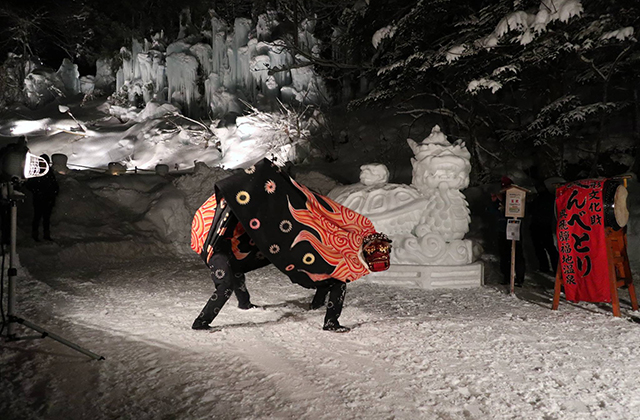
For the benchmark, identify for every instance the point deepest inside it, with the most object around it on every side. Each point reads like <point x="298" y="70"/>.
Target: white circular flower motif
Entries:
<point x="227" y="293"/>
<point x="274" y="249"/>
<point x="219" y="273"/>
<point x="250" y="169"/>
<point x="329" y="305"/>
<point x="243" y="197"/>
<point x="286" y="226"/>
<point x="270" y="186"/>
<point x="214" y="296"/>
<point x="308" y="258"/>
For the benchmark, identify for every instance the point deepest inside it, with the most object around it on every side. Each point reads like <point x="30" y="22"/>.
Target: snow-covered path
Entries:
<point x="445" y="354"/>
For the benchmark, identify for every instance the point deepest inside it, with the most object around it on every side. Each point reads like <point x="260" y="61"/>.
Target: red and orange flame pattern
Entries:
<point x="201" y="224"/>
<point x="235" y="241"/>
<point x="341" y="232"/>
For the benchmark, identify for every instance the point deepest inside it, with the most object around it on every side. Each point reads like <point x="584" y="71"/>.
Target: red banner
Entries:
<point x="581" y="241"/>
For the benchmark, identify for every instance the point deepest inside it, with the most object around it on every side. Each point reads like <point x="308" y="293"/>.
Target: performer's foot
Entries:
<point x="249" y="306"/>
<point x="334" y="326"/>
<point x="199" y="324"/>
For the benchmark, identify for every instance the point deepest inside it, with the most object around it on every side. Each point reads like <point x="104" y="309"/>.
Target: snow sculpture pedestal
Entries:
<point x="426" y="220"/>
<point x="430" y="276"/>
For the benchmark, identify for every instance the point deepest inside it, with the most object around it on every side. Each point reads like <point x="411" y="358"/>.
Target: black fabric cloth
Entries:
<point x="226" y="281"/>
<point x="305" y="235"/>
<point x="261" y="216"/>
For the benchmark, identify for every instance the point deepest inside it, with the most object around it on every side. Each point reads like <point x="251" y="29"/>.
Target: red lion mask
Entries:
<point x="377" y="251"/>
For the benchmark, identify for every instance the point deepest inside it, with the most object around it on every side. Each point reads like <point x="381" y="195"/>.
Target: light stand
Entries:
<point x="10" y="197"/>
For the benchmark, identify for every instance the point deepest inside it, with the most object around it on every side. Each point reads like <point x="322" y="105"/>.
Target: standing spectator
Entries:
<point x="44" y="190"/>
<point x="543" y="229"/>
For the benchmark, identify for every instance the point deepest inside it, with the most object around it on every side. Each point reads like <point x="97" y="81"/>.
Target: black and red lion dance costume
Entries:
<point x="261" y="216"/>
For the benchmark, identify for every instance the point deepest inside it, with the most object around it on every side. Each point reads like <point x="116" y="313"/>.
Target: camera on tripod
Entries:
<point x="17" y="164"/>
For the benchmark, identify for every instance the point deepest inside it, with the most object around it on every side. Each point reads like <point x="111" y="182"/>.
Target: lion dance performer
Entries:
<point x="261" y="216"/>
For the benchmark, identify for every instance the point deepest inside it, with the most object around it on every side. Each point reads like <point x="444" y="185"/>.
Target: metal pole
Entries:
<point x="56" y="337"/>
<point x="13" y="272"/>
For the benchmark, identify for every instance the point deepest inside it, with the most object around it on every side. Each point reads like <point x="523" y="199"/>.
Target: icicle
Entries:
<point x="182" y="71"/>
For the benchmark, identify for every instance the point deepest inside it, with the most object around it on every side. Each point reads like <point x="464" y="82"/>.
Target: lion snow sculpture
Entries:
<point x="428" y="219"/>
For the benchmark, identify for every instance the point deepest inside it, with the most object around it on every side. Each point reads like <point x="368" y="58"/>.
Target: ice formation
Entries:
<point x="428" y="219"/>
<point x="235" y="64"/>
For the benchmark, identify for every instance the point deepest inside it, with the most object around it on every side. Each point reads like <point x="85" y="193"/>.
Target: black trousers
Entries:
<point x="543" y="244"/>
<point x="337" y="290"/>
<point x="504" y="247"/>
<point x="228" y="281"/>
<point x="42" y="209"/>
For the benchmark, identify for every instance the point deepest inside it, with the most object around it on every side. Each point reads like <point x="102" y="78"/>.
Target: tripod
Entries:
<point x="11" y="197"/>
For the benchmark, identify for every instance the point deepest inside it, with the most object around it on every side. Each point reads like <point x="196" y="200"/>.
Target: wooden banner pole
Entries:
<point x="513" y="266"/>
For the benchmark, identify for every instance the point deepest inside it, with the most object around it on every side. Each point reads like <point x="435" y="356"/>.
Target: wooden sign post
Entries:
<point x="514" y="203"/>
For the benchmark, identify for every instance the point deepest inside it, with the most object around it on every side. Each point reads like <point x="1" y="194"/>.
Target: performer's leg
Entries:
<point x="320" y="297"/>
<point x="504" y="250"/>
<point x="537" y="237"/>
<point x="337" y="291"/>
<point x="553" y="253"/>
<point x="46" y="220"/>
<point x="241" y="292"/>
<point x="222" y="277"/>
<point x="37" y="216"/>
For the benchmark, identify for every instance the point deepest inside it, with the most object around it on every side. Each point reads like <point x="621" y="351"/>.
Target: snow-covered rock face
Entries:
<point x="42" y="86"/>
<point x="427" y="220"/>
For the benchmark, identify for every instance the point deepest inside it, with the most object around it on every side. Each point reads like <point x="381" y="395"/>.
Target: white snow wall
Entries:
<point x="208" y="78"/>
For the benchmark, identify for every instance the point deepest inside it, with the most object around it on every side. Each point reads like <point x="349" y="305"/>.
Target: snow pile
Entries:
<point x="382" y="33"/>
<point x="530" y="24"/>
<point x="619" y="34"/>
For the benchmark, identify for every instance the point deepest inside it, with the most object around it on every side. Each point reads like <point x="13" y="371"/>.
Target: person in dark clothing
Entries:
<point x="44" y="190"/>
<point x="261" y="216"/>
<point x="542" y="229"/>
<point x="504" y="244"/>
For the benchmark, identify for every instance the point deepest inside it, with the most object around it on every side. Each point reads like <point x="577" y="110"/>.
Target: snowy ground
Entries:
<point x="445" y="354"/>
<point x="119" y="280"/>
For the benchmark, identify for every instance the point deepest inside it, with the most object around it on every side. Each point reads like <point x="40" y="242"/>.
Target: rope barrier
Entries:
<point x="134" y="170"/>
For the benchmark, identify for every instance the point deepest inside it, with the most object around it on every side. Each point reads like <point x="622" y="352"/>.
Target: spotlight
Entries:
<point x="17" y="163"/>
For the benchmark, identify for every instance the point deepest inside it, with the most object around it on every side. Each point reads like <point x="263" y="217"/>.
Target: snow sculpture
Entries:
<point x="428" y="219"/>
